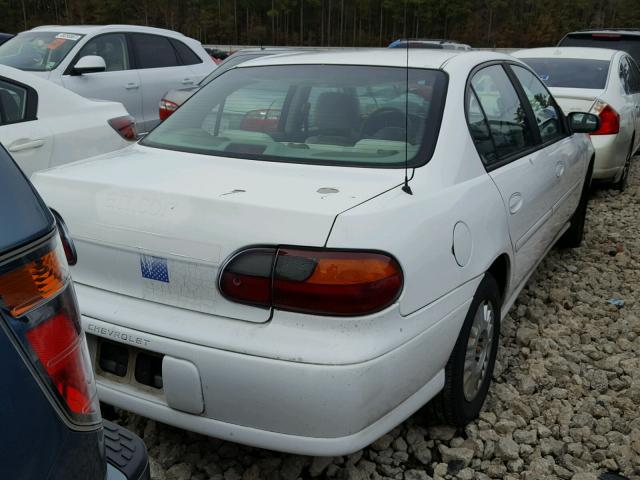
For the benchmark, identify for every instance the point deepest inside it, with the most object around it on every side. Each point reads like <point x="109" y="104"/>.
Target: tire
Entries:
<point x="621" y="184"/>
<point x="573" y="237"/>
<point x="453" y="405"/>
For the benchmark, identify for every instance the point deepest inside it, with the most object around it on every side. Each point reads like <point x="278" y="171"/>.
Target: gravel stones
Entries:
<point x="565" y="398"/>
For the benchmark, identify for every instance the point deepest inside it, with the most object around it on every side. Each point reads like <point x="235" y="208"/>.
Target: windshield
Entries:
<point x="570" y="72"/>
<point x="37" y="51"/>
<point x="321" y="114"/>
<point x="626" y="43"/>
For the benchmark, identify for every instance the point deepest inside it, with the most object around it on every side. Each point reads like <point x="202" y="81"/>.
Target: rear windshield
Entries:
<point x="627" y="43"/>
<point x="320" y="114"/>
<point x="38" y="51"/>
<point x="570" y="72"/>
<point x="23" y="216"/>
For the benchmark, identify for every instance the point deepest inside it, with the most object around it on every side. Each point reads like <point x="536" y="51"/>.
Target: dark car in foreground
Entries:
<point x="51" y="422"/>
<point x="174" y="98"/>
<point x="625" y="39"/>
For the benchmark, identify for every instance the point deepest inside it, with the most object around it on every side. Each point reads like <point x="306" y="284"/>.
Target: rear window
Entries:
<point x="318" y="114"/>
<point x="187" y="56"/>
<point x="627" y="43"/>
<point x="570" y="72"/>
<point x="23" y="216"/>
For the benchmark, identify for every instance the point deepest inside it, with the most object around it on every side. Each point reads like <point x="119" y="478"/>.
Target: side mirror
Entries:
<point x="89" y="64"/>
<point x="580" y="122"/>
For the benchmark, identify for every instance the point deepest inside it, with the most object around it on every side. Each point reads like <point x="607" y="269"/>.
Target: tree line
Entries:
<point x="480" y="23"/>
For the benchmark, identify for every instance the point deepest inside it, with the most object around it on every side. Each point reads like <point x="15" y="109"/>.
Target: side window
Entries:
<point x="635" y="75"/>
<point x="187" y="56"/>
<point x="625" y="75"/>
<point x="13" y="103"/>
<point x="153" y="51"/>
<point x="548" y="116"/>
<point x="112" y="48"/>
<point x="505" y="115"/>
<point x="479" y="129"/>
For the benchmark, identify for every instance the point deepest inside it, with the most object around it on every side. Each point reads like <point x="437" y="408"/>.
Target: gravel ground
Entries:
<point x="564" y="401"/>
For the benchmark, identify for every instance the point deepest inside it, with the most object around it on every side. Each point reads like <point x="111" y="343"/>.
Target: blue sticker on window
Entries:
<point x="154" y="268"/>
<point x="544" y="78"/>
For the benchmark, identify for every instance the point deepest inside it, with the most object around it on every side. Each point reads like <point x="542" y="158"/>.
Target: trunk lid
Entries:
<point x="575" y="99"/>
<point x="157" y="224"/>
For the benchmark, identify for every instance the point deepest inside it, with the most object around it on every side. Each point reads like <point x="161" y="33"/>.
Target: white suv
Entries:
<point x="124" y="63"/>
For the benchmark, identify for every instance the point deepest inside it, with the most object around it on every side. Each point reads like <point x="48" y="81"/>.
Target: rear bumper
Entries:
<point x="304" y="408"/>
<point x="126" y="454"/>
<point x="611" y="154"/>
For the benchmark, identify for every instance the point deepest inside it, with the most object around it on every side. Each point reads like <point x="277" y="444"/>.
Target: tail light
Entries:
<point x="167" y="107"/>
<point x="609" y="119"/>
<point x="315" y="281"/>
<point x="65" y="237"/>
<point x="39" y="304"/>
<point x="125" y="126"/>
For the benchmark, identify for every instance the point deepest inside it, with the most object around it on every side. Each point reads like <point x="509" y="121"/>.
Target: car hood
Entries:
<point x="157" y="224"/>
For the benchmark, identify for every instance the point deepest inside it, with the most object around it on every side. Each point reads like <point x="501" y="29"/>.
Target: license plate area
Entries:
<point x="129" y="365"/>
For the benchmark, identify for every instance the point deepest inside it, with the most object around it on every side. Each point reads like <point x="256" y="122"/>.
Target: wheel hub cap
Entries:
<point x="479" y="347"/>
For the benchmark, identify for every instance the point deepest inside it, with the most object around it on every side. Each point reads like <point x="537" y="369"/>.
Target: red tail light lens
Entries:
<point x="125" y="126"/>
<point x="315" y="281"/>
<point x="167" y="107"/>
<point x="39" y="305"/>
<point x="609" y="119"/>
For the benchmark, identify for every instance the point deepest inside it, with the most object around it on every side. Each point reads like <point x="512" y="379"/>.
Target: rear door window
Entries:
<point x="505" y="114"/>
<point x="187" y="56"/>
<point x="153" y="51"/>
<point x="13" y="103"/>
<point x="547" y="115"/>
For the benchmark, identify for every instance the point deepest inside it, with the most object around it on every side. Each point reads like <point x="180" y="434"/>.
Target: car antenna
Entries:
<point x="406" y="188"/>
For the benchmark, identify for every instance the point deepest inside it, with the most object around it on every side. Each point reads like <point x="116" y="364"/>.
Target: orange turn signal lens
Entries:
<point x="29" y="284"/>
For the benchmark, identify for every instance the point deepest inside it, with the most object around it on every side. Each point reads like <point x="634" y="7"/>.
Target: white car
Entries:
<point x="601" y="81"/>
<point x="44" y="125"/>
<point x="258" y="269"/>
<point x="129" y="64"/>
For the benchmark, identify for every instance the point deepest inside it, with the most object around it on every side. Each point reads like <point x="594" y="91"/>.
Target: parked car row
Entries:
<point x="261" y="266"/>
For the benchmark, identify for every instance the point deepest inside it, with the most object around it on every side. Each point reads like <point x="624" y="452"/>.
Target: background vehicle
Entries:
<point x="4" y="37"/>
<point x="343" y="304"/>
<point x="217" y="55"/>
<point x="125" y="63"/>
<point x="601" y="81"/>
<point x="625" y="39"/>
<point x="51" y="424"/>
<point x="44" y="125"/>
<point x="174" y="98"/>
<point x="434" y="44"/>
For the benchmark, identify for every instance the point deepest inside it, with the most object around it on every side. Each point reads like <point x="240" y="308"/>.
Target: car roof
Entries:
<point x="567" y="52"/>
<point x="387" y="57"/>
<point x="621" y="31"/>
<point x="93" y="29"/>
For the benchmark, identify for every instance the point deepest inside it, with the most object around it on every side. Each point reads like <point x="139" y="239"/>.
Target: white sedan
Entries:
<point x="44" y="125"/>
<point x="258" y="269"/>
<point x="601" y="81"/>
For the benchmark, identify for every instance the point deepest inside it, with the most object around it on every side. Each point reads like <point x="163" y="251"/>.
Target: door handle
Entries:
<point x="26" y="144"/>
<point x="515" y="203"/>
<point x="559" y="169"/>
<point x="131" y="86"/>
<point x="187" y="81"/>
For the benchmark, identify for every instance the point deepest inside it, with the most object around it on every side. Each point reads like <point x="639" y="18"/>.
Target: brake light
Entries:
<point x="41" y="311"/>
<point x="167" y="107"/>
<point x="315" y="281"/>
<point x="609" y="119"/>
<point x="125" y="126"/>
<point x="67" y="242"/>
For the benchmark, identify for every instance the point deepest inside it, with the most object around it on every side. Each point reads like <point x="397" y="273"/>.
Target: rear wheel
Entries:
<point x="470" y="367"/>
<point x="621" y="184"/>
<point x="573" y="237"/>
